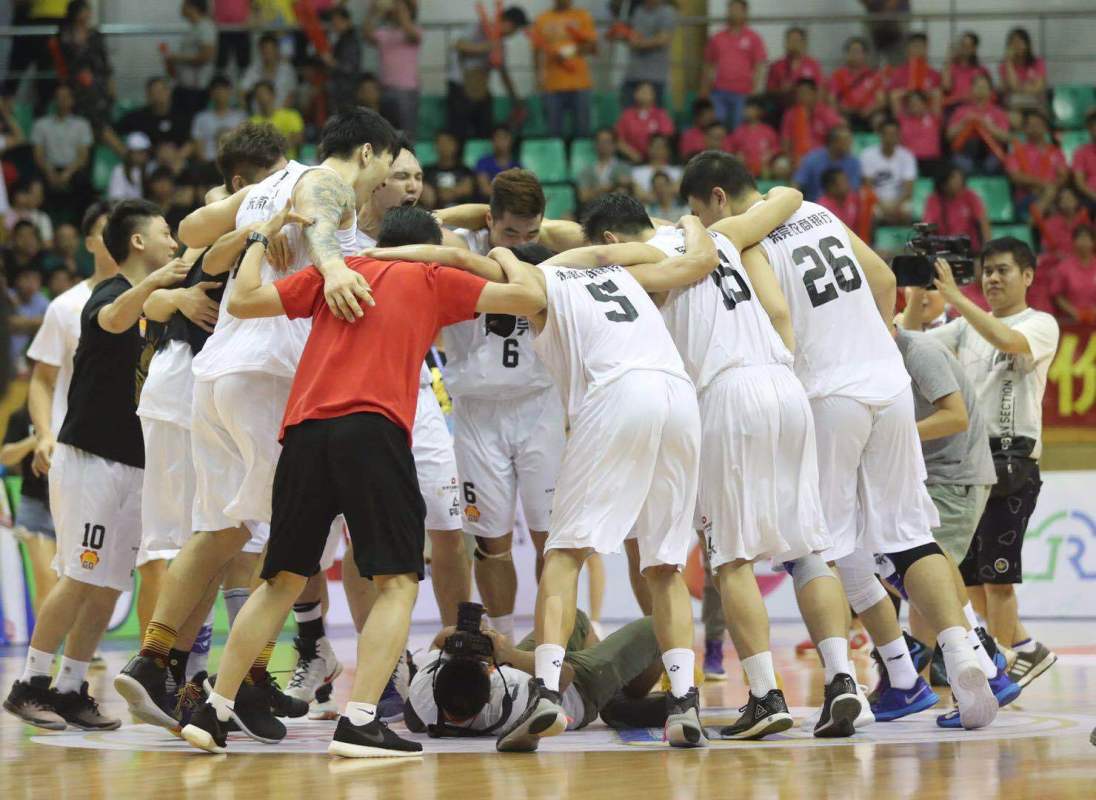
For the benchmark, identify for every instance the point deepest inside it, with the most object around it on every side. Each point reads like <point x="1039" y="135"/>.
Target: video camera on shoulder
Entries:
<point x="468" y="641"/>
<point x="915" y="268"/>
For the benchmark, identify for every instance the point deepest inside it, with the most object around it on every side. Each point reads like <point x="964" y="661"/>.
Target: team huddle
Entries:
<point x="625" y="383"/>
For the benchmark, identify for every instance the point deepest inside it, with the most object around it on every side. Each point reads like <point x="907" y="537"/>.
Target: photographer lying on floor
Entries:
<point x="473" y="682"/>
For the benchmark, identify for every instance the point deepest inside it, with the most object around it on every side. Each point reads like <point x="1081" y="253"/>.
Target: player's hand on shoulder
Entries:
<point x="169" y="274"/>
<point x="196" y="305"/>
<point x="280" y="252"/>
<point x="287" y="216"/>
<point x="345" y="290"/>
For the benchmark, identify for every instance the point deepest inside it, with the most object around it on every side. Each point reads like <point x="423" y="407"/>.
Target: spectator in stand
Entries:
<point x="1084" y="163"/>
<point x="448" y="182"/>
<point x="27" y="197"/>
<point x="500" y="158"/>
<point x="806" y="123"/>
<point x="1023" y="76"/>
<point x="28" y="310"/>
<point x="717" y="138"/>
<point x="216" y="120"/>
<point x="11" y="136"/>
<point x="127" y="180"/>
<point x="785" y="74"/>
<point x="754" y="140"/>
<point x="192" y="66"/>
<point x="60" y="280"/>
<point x="691" y="140"/>
<point x="157" y="119"/>
<point x="667" y="203"/>
<point x="919" y="132"/>
<point x="562" y="38"/>
<point x="90" y="74"/>
<point x="839" y="198"/>
<point x="392" y="29"/>
<point x="914" y="75"/>
<point x="659" y="154"/>
<point x="232" y="45"/>
<point x="652" y="25"/>
<point x="961" y="69"/>
<point x="607" y="174"/>
<point x="28" y="50"/>
<point x="857" y="88"/>
<point x="24" y="251"/>
<point x="469" y="106"/>
<point x="344" y="61"/>
<point x="287" y="121"/>
<point x="974" y="125"/>
<point x="67" y="254"/>
<point x="837" y="153"/>
<point x="639" y="122"/>
<point x="271" y="67"/>
<point x="1057" y="223"/>
<point x="62" y="151"/>
<point x="1075" y="293"/>
<point x="956" y="210"/>
<point x="887" y="35"/>
<point x="734" y="65"/>
<point x="368" y="95"/>
<point x="890" y="169"/>
<point x="160" y="187"/>
<point x="1036" y="166"/>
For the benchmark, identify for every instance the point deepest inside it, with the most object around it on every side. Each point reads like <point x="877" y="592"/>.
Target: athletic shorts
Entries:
<point x="960" y="509"/>
<point x="33" y="516"/>
<point x="432" y="446"/>
<point x="632" y="460"/>
<point x="234" y="441"/>
<point x="97" y="512"/>
<point x="506" y="449"/>
<point x="167" y="497"/>
<point x="360" y="466"/>
<point x="872" y="476"/>
<point x="994" y="555"/>
<point x="331" y="548"/>
<point x="758" y="491"/>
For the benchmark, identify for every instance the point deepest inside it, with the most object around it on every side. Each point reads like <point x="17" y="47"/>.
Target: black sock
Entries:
<point x="310" y="628"/>
<point x="176" y="664"/>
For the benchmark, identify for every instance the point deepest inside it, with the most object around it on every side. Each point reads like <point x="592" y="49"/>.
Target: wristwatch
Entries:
<point x="255" y="236"/>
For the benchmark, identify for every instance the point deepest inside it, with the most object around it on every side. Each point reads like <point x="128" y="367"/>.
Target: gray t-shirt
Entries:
<point x="459" y="62"/>
<point x="962" y="458"/>
<point x="651" y="65"/>
<point x="202" y="33"/>
<point x="61" y="138"/>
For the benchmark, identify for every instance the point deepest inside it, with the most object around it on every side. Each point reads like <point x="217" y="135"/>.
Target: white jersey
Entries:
<point x="717" y="323"/>
<point x="601" y="325"/>
<point x="843" y="347"/>
<point x="55" y="344"/>
<point x="491" y="356"/>
<point x="272" y="345"/>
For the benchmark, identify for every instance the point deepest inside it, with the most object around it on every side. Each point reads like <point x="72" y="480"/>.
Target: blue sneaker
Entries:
<point x="713" y="660"/>
<point x="1004" y="688"/>
<point x="390" y="707"/>
<point x="896" y="703"/>
<point x="950" y="720"/>
<point x="920" y="654"/>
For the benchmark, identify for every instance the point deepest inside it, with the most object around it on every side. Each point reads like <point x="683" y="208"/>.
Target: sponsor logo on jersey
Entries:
<point x="471" y="513"/>
<point x="89" y="559"/>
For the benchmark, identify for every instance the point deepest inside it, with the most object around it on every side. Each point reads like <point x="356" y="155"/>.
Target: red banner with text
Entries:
<point x="1070" y="399"/>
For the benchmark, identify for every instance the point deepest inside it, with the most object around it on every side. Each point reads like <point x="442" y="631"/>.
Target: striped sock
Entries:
<point x="258" y="670"/>
<point x="157" y="642"/>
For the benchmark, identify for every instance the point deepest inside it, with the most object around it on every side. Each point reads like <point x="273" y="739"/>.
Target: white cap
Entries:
<point x="138" y="141"/>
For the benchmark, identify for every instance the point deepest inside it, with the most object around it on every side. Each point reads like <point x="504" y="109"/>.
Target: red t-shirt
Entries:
<point x="756" y="144"/>
<point x="736" y="55"/>
<point x="1057" y="231"/>
<point x="1043" y="161"/>
<point x="372" y="365"/>
<point x="692" y="141"/>
<point x="1077" y="282"/>
<point x="913" y="75"/>
<point x="784" y="73"/>
<point x="856" y="90"/>
<point x="1024" y="73"/>
<point x="957" y="216"/>
<point x="819" y="123"/>
<point x="636" y="126"/>
<point x="920" y="135"/>
<point x="962" y="76"/>
<point x="847" y="210"/>
<point x="1084" y="161"/>
<point x="997" y="115"/>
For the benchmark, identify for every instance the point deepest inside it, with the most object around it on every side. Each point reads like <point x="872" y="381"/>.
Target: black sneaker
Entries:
<point x="205" y="731"/>
<point x="374" y="740"/>
<point x="251" y="713"/>
<point x="938" y="673"/>
<point x="683" y="728"/>
<point x="282" y="704"/>
<point x="190" y="697"/>
<point x="840" y="708"/>
<point x="761" y="717"/>
<point x="623" y="712"/>
<point x="80" y="710"/>
<point x="35" y="703"/>
<point x="142" y="684"/>
<point x="1029" y="666"/>
<point x="542" y="717"/>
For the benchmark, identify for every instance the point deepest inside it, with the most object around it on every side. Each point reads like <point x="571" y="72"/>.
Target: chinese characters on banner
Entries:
<point x="1070" y="399"/>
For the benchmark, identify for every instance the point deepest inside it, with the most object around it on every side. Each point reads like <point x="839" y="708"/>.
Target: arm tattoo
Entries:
<point x="325" y="198"/>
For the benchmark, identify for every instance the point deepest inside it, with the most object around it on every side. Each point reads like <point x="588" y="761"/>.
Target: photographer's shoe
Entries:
<point x="374" y="740"/>
<point x="542" y="717"/>
<point x="683" y="728"/>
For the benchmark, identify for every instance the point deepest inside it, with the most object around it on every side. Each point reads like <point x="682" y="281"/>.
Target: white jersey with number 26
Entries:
<point x="843" y="347"/>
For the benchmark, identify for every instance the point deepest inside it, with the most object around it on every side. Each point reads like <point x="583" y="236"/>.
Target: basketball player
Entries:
<point x="759" y="479"/>
<point x="242" y="378"/>
<point x="95" y="475"/>
<point x="841" y="296"/>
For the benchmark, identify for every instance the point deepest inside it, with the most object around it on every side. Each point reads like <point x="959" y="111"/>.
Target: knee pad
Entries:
<point x="862" y="587"/>
<point x="905" y="559"/>
<point x="806" y="569"/>
<point x="482" y="555"/>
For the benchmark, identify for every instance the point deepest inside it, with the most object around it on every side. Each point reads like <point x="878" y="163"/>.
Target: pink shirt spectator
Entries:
<point x="1044" y="161"/>
<point x="957" y="216"/>
<point x="921" y="135"/>
<point x="735" y="55"/>
<point x="1040" y="295"/>
<point x="399" y="59"/>
<point x="784" y="73"/>
<point x="756" y="143"/>
<point x="636" y="126"/>
<point x="1024" y="74"/>
<point x="1077" y="282"/>
<point x="231" y="12"/>
<point x="962" y="76"/>
<point x="856" y="91"/>
<point x="914" y="75"/>
<point x="997" y="115"/>
<point x="1084" y="161"/>
<point x="691" y="143"/>
<point x="1057" y="231"/>
<point x="847" y="210"/>
<point x="819" y="123"/>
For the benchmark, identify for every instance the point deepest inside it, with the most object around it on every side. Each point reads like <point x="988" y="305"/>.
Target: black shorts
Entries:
<point x="994" y="554"/>
<point x="361" y="466"/>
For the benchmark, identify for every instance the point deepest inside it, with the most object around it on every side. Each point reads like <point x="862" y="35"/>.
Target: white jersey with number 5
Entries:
<point x="843" y="347"/>
<point x="601" y="325"/>
<point x="717" y="322"/>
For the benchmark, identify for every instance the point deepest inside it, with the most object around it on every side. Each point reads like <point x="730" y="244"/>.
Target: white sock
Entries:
<point x="360" y="713"/>
<point x="972" y="618"/>
<point x="39" y="663"/>
<point x="548" y="659"/>
<point x="984" y="661"/>
<point x="896" y="658"/>
<point x="503" y="624"/>
<point x="760" y="673"/>
<point x="679" y="664"/>
<point x="835" y="657"/>
<point x="1026" y="646"/>
<point x="71" y="675"/>
<point x="222" y="705"/>
<point x="957" y="650"/>
<point x="234" y="601"/>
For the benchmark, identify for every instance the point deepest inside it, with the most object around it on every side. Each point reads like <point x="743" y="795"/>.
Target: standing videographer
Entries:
<point x="1007" y="353"/>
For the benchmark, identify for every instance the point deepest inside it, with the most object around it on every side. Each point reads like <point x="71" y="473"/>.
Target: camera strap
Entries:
<point x="442" y="729"/>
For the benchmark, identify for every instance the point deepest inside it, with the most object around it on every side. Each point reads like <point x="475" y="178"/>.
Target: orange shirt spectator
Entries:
<point x="856" y="88"/>
<point x="914" y="75"/>
<point x="805" y="124"/>
<point x="1037" y="163"/>
<point x="785" y="73"/>
<point x="563" y="37"/>
<point x="638" y="123"/>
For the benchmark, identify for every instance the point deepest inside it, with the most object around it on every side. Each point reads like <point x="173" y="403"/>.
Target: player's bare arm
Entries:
<point x="881" y="280"/>
<point x="251" y="298"/>
<point x="440" y="254"/>
<point x="524" y="295"/>
<point x="997" y="333"/>
<point x="769" y="294"/>
<point x="470" y="216"/>
<point x="750" y="228"/>
<point x="223" y="254"/>
<point x="126" y="311"/>
<point x="43" y="383"/>
<point x="204" y="226"/>
<point x="626" y="254"/>
<point x="698" y="260"/>
<point x="561" y="234"/>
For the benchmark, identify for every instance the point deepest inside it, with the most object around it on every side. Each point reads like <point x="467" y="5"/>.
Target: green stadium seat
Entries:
<point x="545" y="157"/>
<point x="536" y="121"/>
<point x="431" y="114"/>
<point x="474" y="150"/>
<point x="606" y="109"/>
<point x="862" y="141"/>
<point x="1021" y="232"/>
<point x="426" y="153"/>
<point x="891" y="239"/>
<point x="583" y="154"/>
<point x="24" y="115"/>
<point x="309" y="154"/>
<point x="500" y="108"/>
<point x="922" y="188"/>
<point x="103" y="161"/>
<point x="683" y="115"/>
<point x="560" y="199"/>
<point x="1071" y="103"/>
<point x="1072" y="141"/>
<point x="123" y="107"/>
<point x="763" y="186"/>
<point x="996" y="195"/>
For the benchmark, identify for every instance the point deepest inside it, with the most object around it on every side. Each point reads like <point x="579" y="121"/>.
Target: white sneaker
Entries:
<point x="316" y="665"/>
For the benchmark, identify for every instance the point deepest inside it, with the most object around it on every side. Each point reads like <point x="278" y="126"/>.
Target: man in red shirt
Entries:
<point x="796" y="64"/>
<point x="857" y="88"/>
<point x="1084" y="161"/>
<point x="1037" y="165"/>
<point x="805" y="125"/>
<point x="346" y="449"/>
<point x="915" y="74"/>
<point x="734" y="65"/>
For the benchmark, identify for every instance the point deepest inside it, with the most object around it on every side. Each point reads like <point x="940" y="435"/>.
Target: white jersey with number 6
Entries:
<point x="843" y="347"/>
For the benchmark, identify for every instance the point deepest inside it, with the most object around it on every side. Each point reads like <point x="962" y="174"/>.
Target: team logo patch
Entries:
<point x="89" y="559"/>
<point x="471" y="513"/>
<point x="1001" y="565"/>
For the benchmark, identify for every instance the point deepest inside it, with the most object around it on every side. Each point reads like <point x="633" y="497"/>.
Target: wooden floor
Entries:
<point x="1044" y="752"/>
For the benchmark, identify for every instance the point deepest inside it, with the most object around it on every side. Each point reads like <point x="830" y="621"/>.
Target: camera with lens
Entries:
<point x="468" y="641"/>
<point x="916" y="267"/>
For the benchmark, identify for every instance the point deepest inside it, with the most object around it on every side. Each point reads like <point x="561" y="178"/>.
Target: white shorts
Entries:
<point x="632" y="460"/>
<point x="507" y="448"/>
<point x="335" y="539"/>
<point x="872" y="476"/>
<point x="167" y="497"/>
<point x="758" y="468"/>
<point x="234" y="441"/>
<point x="435" y="464"/>
<point x="96" y="507"/>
